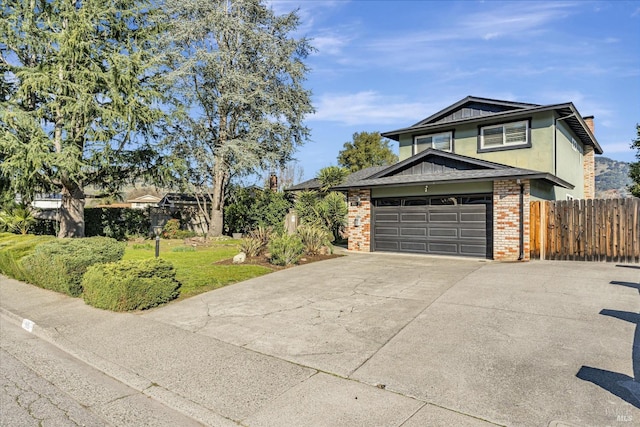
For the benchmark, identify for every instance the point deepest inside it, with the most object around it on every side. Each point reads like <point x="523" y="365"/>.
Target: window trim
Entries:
<point x="414" y="145"/>
<point x="504" y="146"/>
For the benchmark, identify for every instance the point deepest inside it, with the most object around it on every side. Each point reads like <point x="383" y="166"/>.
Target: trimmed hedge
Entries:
<point x="59" y="264"/>
<point x="13" y="248"/>
<point x="130" y="285"/>
<point x="118" y="223"/>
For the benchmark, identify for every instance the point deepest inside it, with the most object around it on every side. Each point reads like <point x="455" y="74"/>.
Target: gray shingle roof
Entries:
<point x="314" y="184"/>
<point x="460" y="176"/>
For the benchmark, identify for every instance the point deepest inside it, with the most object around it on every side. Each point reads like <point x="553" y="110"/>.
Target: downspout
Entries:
<point x="521" y="256"/>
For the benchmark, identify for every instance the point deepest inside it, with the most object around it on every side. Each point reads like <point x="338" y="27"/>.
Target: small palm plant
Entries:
<point x="17" y="219"/>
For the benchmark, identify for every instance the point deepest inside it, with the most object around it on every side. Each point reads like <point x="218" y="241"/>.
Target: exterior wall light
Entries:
<point x="356" y="222"/>
<point x="356" y="201"/>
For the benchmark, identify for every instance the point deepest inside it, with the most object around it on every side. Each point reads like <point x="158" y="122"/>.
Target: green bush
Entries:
<point x="118" y="223"/>
<point x="59" y="264"/>
<point x="17" y="219"/>
<point x="130" y="285"/>
<point x="329" y="211"/>
<point x="13" y="248"/>
<point x="285" y="250"/>
<point x="314" y="238"/>
<point x="249" y="208"/>
<point x="172" y="230"/>
<point x="333" y="210"/>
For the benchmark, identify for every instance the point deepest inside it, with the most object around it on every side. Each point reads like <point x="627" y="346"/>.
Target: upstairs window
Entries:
<point x="504" y="136"/>
<point x="439" y="141"/>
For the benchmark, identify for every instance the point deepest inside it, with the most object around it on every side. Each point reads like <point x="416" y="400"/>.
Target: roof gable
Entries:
<point x="147" y="198"/>
<point x="472" y="106"/>
<point x="432" y="161"/>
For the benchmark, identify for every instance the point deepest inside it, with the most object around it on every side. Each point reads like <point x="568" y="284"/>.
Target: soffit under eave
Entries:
<point x="553" y="180"/>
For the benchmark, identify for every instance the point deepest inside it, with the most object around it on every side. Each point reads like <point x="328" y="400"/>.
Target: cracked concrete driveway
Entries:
<point x="512" y="344"/>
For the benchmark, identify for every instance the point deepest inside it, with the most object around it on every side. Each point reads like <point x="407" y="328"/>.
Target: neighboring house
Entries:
<point x="466" y="177"/>
<point x="45" y="205"/>
<point x="49" y="201"/>
<point x="180" y="201"/>
<point x="143" y="202"/>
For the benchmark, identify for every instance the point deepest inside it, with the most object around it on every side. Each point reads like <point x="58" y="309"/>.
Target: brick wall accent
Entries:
<point x="359" y="236"/>
<point x="589" y="164"/>
<point x="506" y="220"/>
<point x="589" y="170"/>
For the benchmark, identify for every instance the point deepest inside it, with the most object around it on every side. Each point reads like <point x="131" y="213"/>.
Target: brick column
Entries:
<point x="360" y="210"/>
<point x="589" y="170"/>
<point x="506" y="220"/>
<point x="589" y="164"/>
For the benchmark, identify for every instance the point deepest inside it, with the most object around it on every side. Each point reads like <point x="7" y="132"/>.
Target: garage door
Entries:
<point x="454" y="225"/>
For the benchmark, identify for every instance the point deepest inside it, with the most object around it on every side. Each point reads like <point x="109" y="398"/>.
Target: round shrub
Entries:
<point x="130" y="285"/>
<point x="59" y="264"/>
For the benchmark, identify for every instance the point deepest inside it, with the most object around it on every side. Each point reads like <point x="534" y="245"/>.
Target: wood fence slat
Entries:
<point x="602" y="232"/>
<point x="636" y="229"/>
<point x="534" y="223"/>
<point x="588" y="225"/>
<point x="589" y="230"/>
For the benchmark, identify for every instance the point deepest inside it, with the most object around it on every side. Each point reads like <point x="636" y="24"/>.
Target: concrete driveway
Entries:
<point x="538" y="343"/>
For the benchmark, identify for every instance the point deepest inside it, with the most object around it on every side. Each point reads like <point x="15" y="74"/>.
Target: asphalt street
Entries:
<point x="44" y="386"/>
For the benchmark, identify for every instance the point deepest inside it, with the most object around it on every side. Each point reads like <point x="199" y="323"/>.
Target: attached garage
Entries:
<point x="441" y="203"/>
<point x="445" y="225"/>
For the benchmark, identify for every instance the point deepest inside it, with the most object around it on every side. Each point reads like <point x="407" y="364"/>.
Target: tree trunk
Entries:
<point x="220" y="178"/>
<point x="72" y="211"/>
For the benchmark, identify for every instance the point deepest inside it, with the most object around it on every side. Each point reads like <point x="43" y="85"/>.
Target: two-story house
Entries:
<point x="466" y="177"/>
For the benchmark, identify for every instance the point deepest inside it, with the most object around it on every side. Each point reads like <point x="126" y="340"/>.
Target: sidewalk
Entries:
<point x="211" y="381"/>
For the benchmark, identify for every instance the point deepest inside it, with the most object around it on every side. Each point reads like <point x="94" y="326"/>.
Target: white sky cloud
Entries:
<point x="369" y="107"/>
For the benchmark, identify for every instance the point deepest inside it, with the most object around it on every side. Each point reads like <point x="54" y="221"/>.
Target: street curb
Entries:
<point x="143" y="385"/>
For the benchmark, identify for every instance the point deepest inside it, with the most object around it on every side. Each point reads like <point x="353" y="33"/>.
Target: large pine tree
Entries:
<point x="241" y="74"/>
<point x="80" y="97"/>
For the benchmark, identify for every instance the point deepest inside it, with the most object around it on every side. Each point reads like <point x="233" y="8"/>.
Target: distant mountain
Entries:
<point x="612" y="178"/>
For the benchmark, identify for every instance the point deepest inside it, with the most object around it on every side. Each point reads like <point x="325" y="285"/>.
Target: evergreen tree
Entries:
<point x="634" y="168"/>
<point x="240" y="73"/>
<point x="367" y="149"/>
<point x="79" y="97"/>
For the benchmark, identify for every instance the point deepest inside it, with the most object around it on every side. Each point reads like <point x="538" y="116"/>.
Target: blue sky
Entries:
<point x="383" y="65"/>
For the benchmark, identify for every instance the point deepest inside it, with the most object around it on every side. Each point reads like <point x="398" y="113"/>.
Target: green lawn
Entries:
<point x="195" y="267"/>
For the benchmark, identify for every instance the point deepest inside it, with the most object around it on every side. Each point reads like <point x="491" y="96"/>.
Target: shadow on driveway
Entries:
<point x="623" y="386"/>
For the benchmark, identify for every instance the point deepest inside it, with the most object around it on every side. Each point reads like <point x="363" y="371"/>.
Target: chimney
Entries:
<point x="589" y="121"/>
<point x="273" y="182"/>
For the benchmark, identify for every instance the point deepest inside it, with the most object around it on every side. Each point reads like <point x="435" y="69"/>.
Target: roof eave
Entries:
<point x="395" y="134"/>
<point x="542" y="176"/>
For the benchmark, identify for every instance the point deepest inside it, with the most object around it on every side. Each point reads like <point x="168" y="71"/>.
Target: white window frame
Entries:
<point x="414" y="147"/>
<point x="506" y="144"/>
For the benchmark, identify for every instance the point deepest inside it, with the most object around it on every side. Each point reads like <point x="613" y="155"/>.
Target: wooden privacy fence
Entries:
<point x="586" y="230"/>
